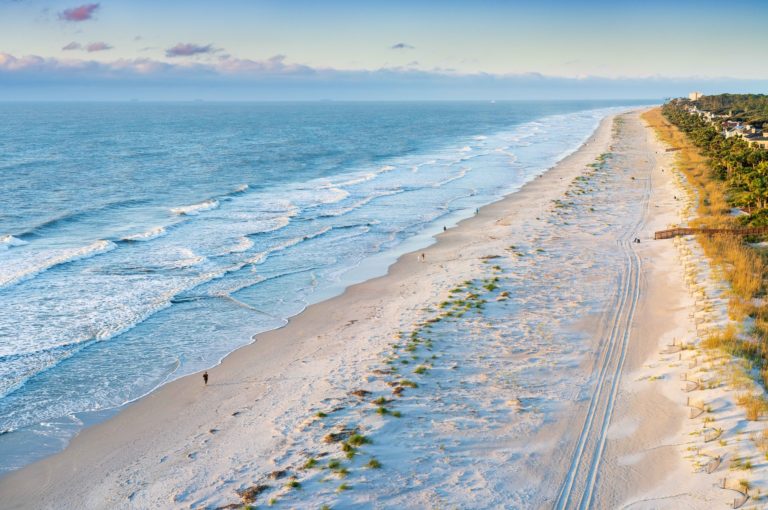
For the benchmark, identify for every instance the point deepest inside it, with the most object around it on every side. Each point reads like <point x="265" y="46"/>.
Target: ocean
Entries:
<point x="141" y="242"/>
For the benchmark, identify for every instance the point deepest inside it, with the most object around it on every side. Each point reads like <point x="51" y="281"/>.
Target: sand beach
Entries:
<point x="529" y="358"/>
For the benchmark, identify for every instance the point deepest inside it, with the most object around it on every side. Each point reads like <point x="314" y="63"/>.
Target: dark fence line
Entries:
<point x="675" y="232"/>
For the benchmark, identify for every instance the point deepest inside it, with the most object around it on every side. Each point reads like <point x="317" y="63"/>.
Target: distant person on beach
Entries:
<point x="205" y="377"/>
<point x="422" y="257"/>
<point x="444" y="228"/>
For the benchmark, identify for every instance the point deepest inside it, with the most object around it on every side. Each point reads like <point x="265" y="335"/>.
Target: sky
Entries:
<point x="372" y="49"/>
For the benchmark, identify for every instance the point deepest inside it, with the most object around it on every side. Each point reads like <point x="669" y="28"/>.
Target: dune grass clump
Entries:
<point x="343" y="487"/>
<point x="310" y="463"/>
<point x="745" y="485"/>
<point x="373" y="464"/>
<point x="349" y="450"/>
<point x="337" y="437"/>
<point x="250" y="494"/>
<point x="755" y="406"/>
<point x="737" y="462"/>
<point x="761" y="441"/>
<point x="724" y="339"/>
<point x="421" y="369"/>
<point x="408" y="384"/>
<point x="358" y="440"/>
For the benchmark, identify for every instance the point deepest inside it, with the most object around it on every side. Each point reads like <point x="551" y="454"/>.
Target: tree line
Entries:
<point x="743" y="167"/>
<point x="750" y="108"/>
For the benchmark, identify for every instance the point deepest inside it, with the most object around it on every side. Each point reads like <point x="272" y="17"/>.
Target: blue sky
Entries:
<point x="285" y="49"/>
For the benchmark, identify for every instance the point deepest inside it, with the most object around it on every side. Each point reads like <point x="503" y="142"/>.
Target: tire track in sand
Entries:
<point x="582" y="475"/>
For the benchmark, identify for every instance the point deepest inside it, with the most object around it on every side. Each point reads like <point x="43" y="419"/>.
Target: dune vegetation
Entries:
<point x="724" y="174"/>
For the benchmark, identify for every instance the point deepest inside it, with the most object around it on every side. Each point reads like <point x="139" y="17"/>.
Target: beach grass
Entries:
<point x="741" y="265"/>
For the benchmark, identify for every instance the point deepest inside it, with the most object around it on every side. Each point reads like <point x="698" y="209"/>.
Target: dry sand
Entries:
<point x="540" y="400"/>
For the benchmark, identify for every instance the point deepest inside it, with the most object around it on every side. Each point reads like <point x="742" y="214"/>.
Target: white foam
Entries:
<point x="8" y="241"/>
<point x="456" y="177"/>
<point x="362" y="202"/>
<point x="357" y="180"/>
<point x="415" y="168"/>
<point x="262" y="256"/>
<point x="191" y="210"/>
<point x="504" y="151"/>
<point x="187" y="258"/>
<point x="324" y="193"/>
<point x="29" y="266"/>
<point x="354" y="179"/>
<point x="146" y="236"/>
<point x="243" y="244"/>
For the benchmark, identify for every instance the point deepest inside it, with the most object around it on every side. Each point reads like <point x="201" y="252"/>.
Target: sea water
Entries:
<point x="143" y="242"/>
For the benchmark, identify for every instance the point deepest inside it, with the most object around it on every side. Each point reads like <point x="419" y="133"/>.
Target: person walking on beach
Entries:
<point x="422" y="257"/>
<point x="205" y="377"/>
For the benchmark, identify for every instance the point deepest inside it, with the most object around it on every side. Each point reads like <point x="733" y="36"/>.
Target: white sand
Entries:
<point x="691" y="393"/>
<point x="542" y="398"/>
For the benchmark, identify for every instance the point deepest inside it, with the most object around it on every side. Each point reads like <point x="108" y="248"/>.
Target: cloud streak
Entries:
<point x="98" y="46"/>
<point x="90" y="48"/>
<point x="402" y="46"/>
<point x="189" y="49"/>
<point x="275" y="78"/>
<point x="80" y="13"/>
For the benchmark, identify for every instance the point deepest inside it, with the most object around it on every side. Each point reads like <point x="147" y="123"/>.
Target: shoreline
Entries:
<point x="25" y="439"/>
<point x="177" y="408"/>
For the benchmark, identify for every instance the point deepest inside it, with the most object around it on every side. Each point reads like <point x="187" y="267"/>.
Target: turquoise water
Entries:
<point x="143" y="242"/>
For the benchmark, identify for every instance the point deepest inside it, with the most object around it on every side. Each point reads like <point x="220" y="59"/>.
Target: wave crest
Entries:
<point x="11" y="274"/>
<point x="146" y="236"/>
<point x="191" y="210"/>
<point x="8" y="241"/>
